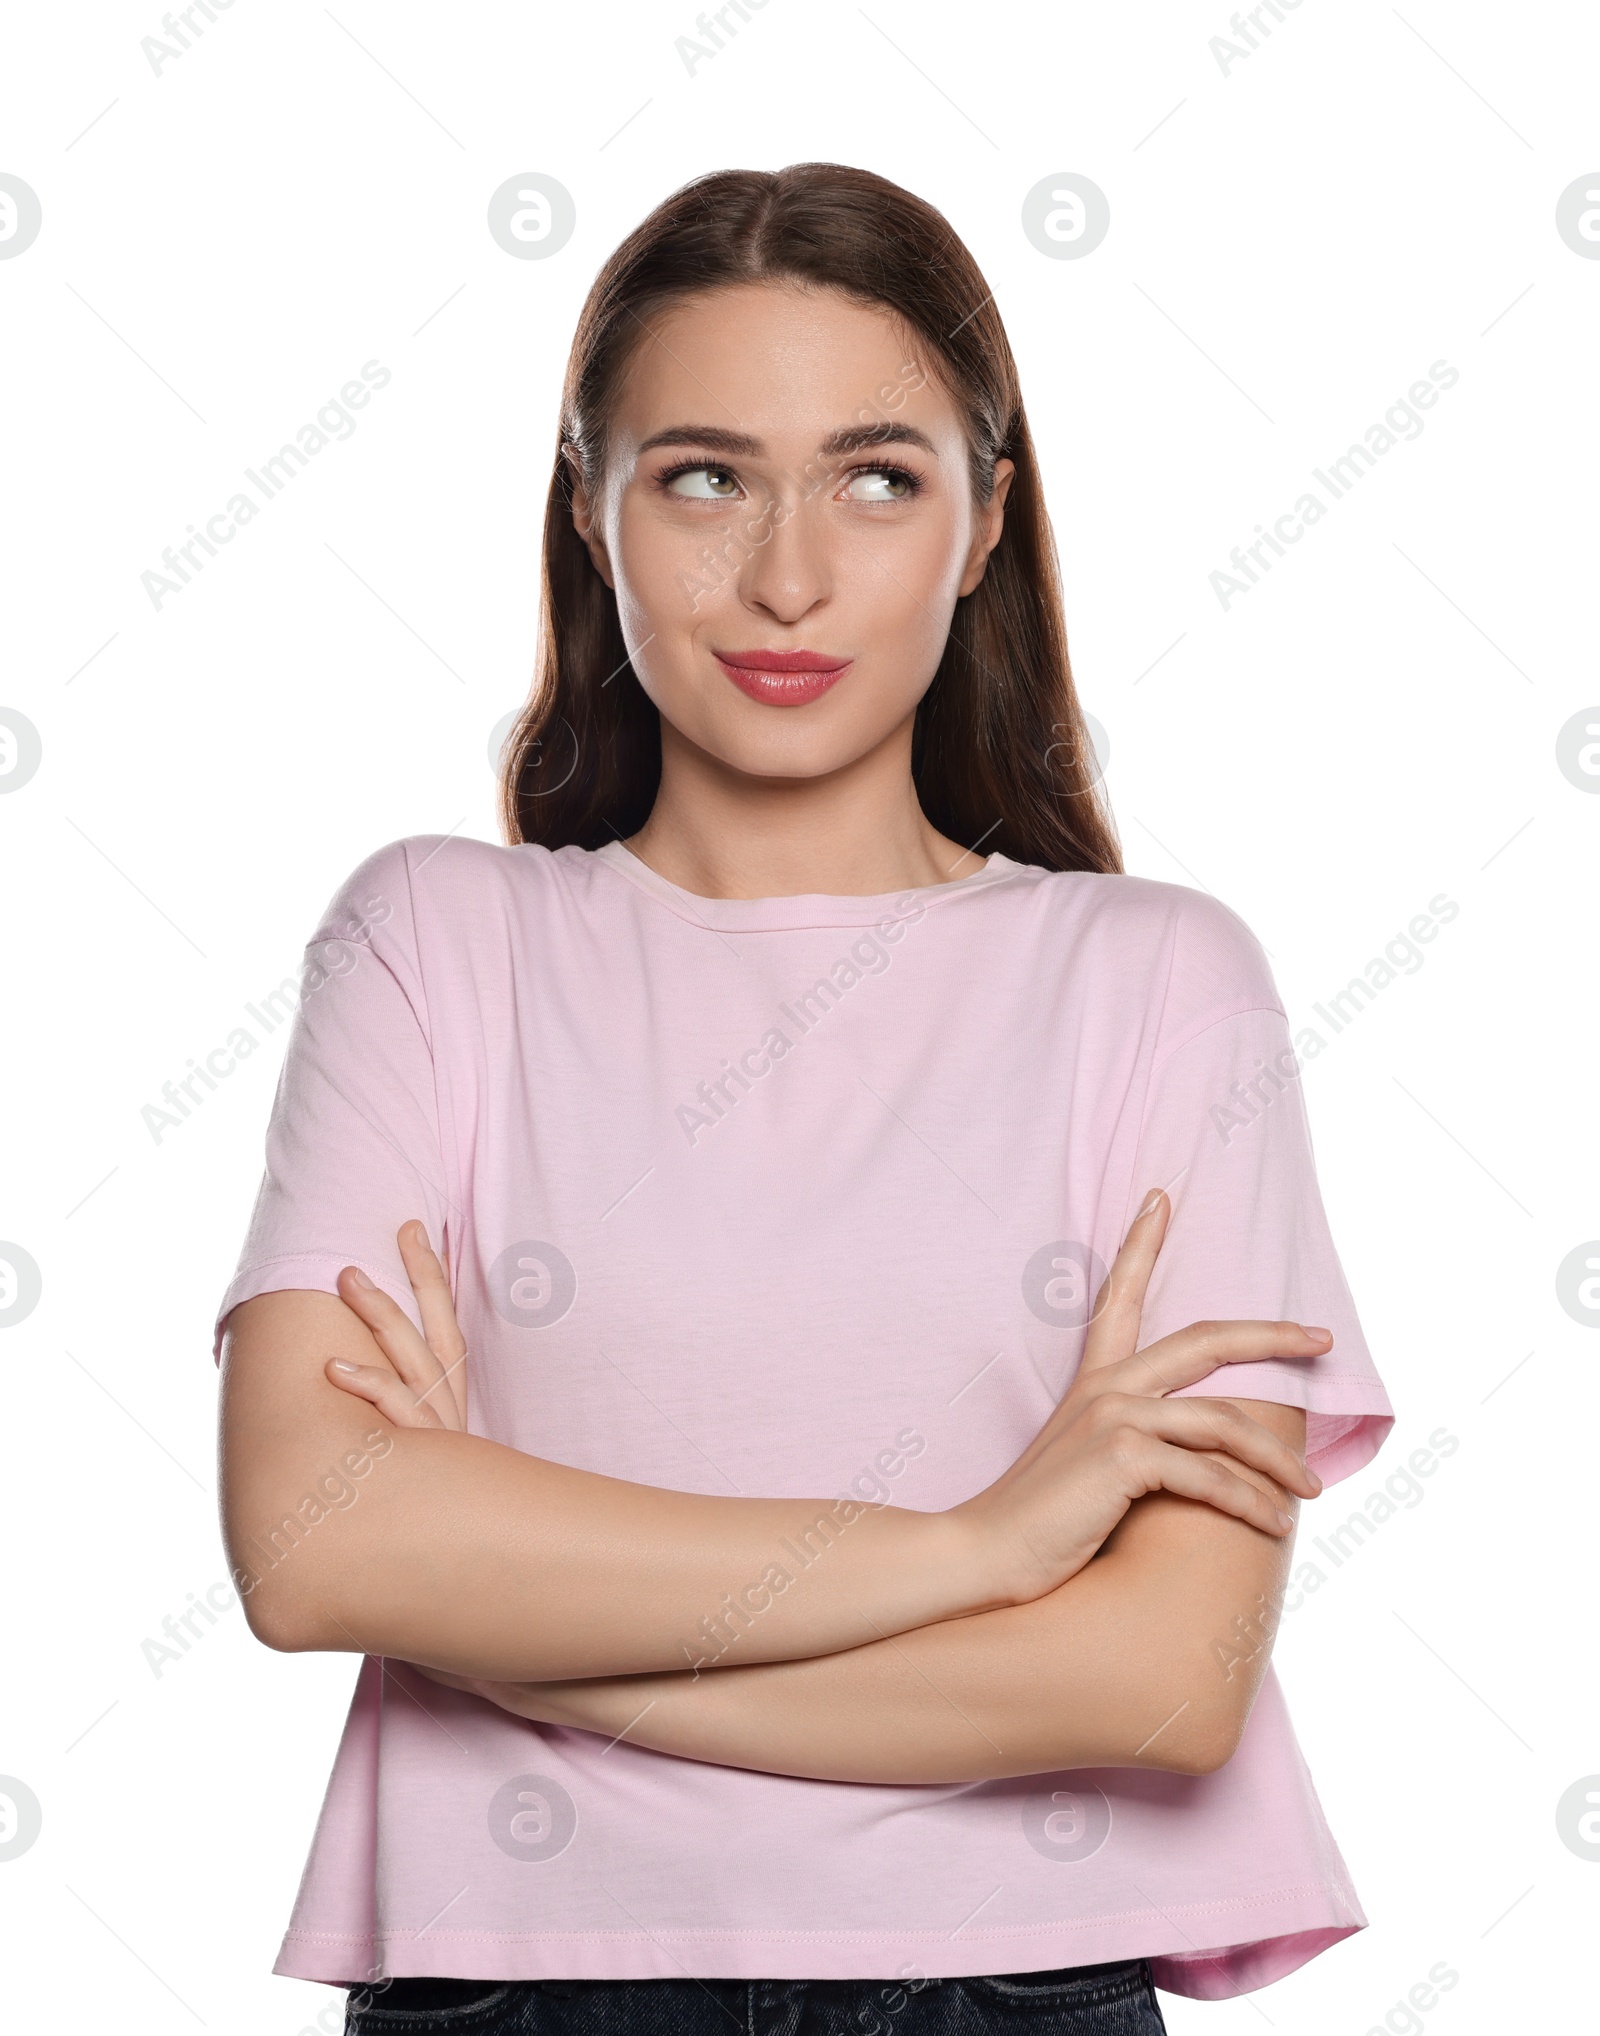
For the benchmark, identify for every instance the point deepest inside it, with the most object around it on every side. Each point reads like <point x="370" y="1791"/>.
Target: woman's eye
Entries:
<point x="704" y="484"/>
<point x="880" y="484"/>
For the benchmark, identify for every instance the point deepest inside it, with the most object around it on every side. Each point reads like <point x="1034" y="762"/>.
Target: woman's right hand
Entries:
<point x="1114" y="1436"/>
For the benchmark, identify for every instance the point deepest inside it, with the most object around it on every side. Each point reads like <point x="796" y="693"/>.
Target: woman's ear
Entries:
<point x="585" y="518"/>
<point x="987" y="526"/>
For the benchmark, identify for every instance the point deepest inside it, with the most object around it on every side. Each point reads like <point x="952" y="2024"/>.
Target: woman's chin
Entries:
<point x="788" y="751"/>
<point x="779" y="743"/>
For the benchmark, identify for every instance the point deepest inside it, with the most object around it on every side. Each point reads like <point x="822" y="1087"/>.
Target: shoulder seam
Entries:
<point x="446" y="1154"/>
<point x="1243" y="1011"/>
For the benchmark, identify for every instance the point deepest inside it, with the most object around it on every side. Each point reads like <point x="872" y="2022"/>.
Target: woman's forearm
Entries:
<point x="1150" y="1657"/>
<point x="460" y="1553"/>
<point x="546" y="1570"/>
<point x="470" y="1556"/>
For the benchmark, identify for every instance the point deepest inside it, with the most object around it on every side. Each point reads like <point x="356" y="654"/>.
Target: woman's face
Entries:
<point x="787" y="520"/>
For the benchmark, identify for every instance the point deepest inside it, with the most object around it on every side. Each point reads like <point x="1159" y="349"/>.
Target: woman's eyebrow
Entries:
<point x="711" y="437"/>
<point x="858" y="436"/>
<point x="740" y="444"/>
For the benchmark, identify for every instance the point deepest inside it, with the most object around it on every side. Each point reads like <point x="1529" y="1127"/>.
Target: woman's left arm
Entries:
<point x="1149" y="1657"/>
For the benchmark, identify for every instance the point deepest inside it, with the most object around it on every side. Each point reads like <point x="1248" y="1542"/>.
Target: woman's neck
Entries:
<point x="856" y="833"/>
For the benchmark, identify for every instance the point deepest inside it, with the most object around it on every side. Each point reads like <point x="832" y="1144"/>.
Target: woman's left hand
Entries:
<point x="424" y="1382"/>
<point x="421" y="1384"/>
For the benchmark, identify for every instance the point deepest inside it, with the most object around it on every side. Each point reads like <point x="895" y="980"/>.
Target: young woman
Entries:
<point x="817" y="1526"/>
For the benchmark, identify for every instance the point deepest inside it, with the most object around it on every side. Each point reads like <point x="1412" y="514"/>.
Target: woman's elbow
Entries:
<point x="285" y="1591"/>
<point x="1203" y="1753"/>
<point x="279" y="1619"/>
<point x="1205" y="1736"/>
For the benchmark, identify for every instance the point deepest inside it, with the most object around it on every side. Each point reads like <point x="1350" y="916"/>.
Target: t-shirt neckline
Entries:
<point x="806" y="908"/>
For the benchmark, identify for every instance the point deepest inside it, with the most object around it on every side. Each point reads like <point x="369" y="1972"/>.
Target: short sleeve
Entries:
<point x="353" y="1148"/>
<point x="1225" y="1132"/>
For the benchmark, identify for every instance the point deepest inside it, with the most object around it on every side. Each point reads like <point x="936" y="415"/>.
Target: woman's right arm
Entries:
<point x="433" y="1545"/>
<point x="455" y="1551"/>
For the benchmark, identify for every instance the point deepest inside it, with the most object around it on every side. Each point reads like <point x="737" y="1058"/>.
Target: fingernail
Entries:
<point x="342" y="1364"/>
<point x="360" y="1278"/>
<point x="1149" y="1203"/>
<point x="1312" y="1329"/>
<point x="1312" y="1478"/>
<point x="1285" y="1521"/>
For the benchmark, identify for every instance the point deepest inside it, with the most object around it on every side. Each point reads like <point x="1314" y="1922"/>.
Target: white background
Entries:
<point x="1292" y="244"/>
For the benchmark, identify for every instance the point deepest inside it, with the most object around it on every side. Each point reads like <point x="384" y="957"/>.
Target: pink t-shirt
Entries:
<point x="800" y="1196"/>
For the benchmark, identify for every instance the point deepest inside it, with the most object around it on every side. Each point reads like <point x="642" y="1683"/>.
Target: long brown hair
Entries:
<point x="1000" y="755"/>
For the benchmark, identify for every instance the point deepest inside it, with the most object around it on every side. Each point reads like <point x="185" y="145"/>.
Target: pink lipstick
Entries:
<point x="782" y="678"/>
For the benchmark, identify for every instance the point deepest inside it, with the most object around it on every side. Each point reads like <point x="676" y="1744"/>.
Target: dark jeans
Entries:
<point x="1080" y="2000"/>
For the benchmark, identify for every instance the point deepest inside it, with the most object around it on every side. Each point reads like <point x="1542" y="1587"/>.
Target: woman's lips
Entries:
<point x="782" y="678"/>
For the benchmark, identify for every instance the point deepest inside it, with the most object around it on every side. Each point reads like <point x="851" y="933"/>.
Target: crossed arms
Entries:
<point x="1108" y="1602"/>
